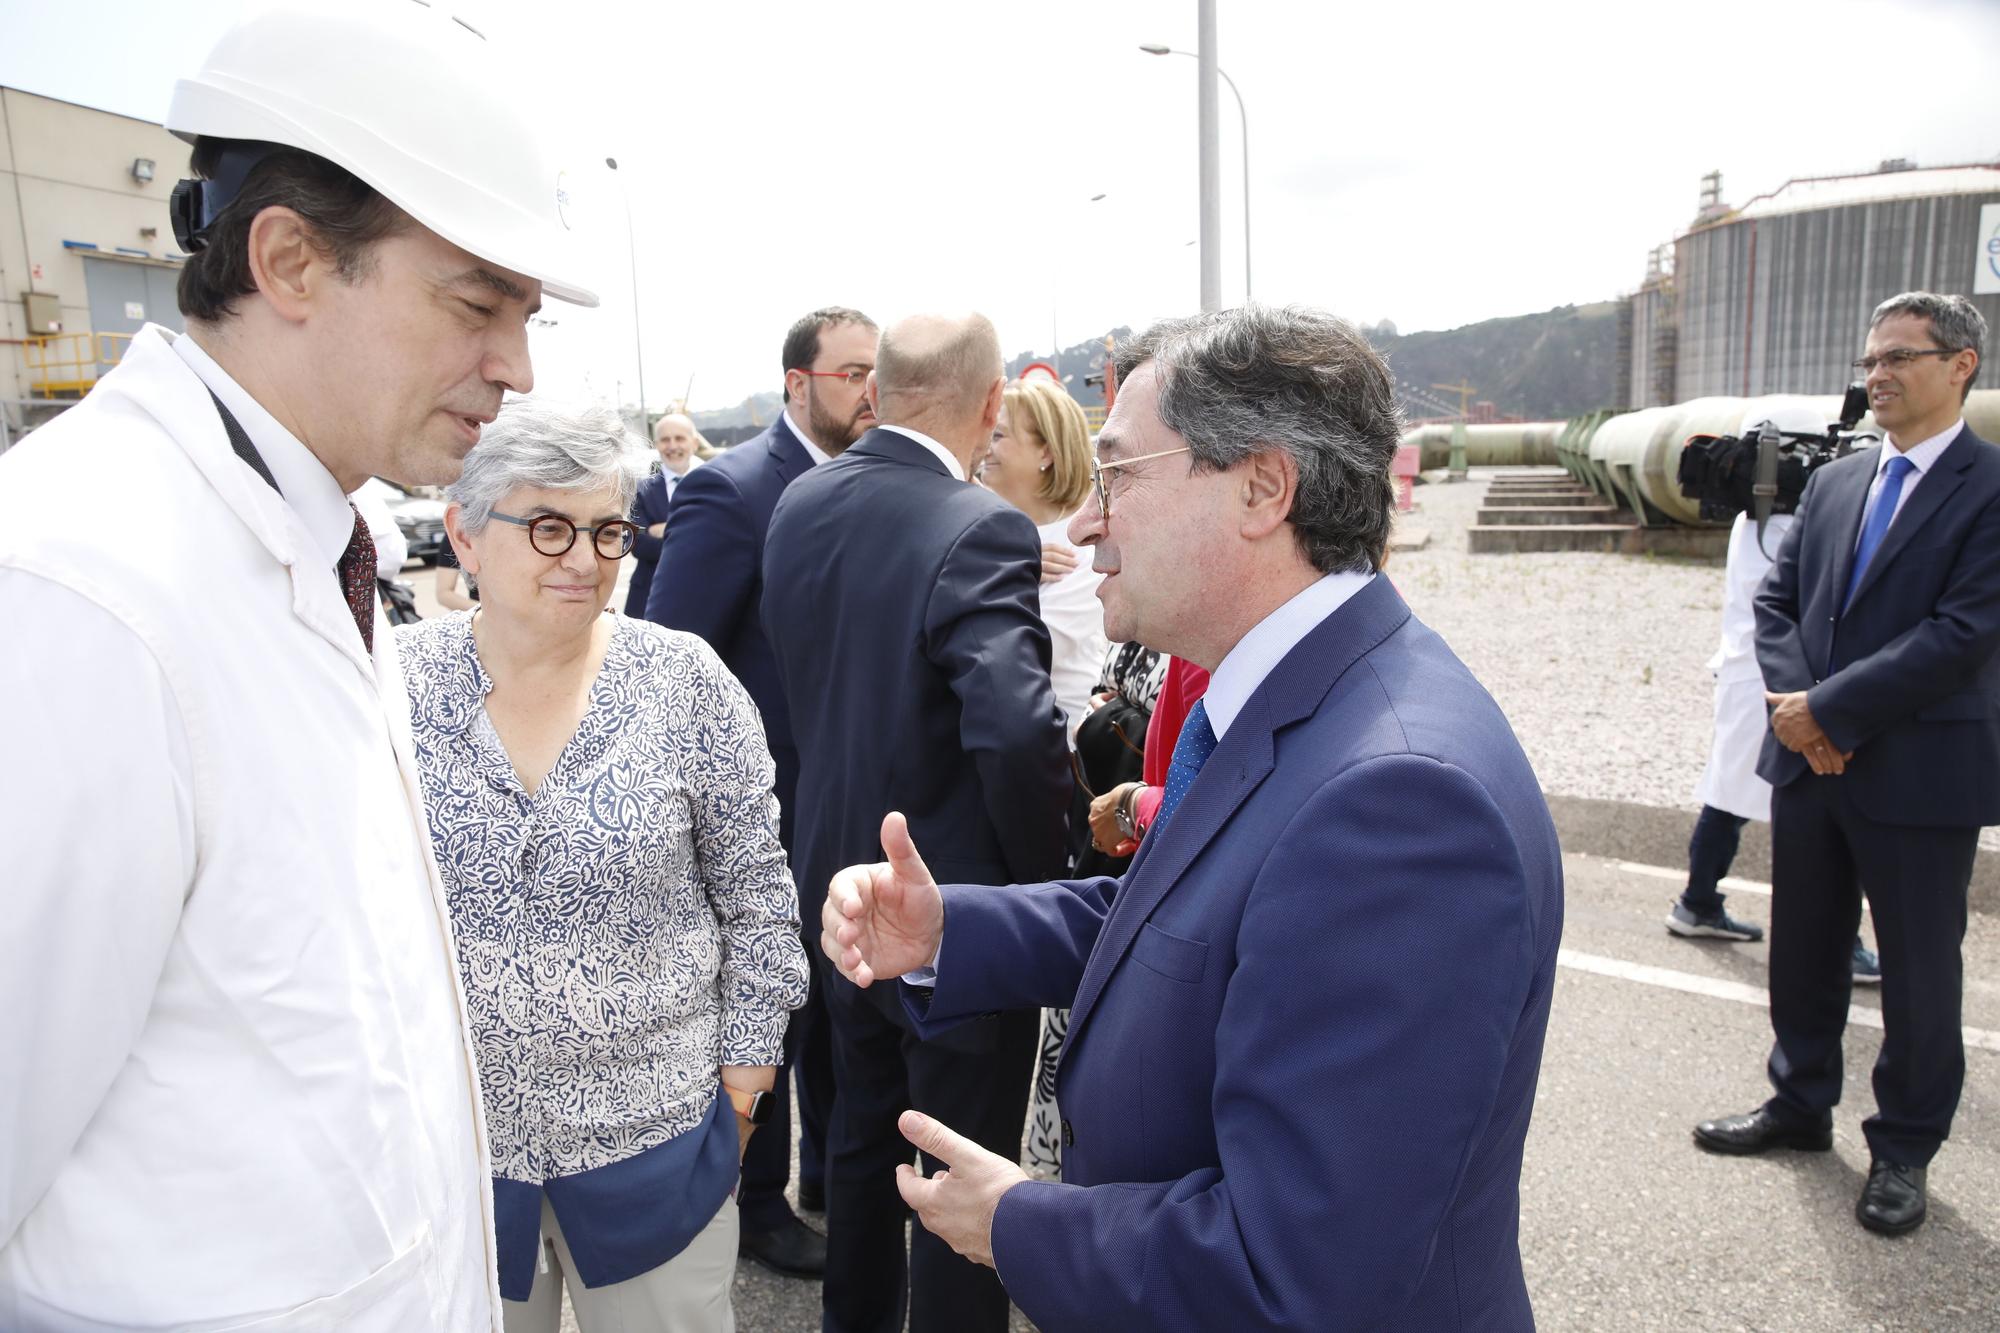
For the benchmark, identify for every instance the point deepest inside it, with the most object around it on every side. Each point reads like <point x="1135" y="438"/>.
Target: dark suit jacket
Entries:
<point x="649" y="506"/>
<point x="904" y="609"/>
<point x="1307" y="1028"/>
<point x="714" y="548"/>
<point x="1906" y="678"/>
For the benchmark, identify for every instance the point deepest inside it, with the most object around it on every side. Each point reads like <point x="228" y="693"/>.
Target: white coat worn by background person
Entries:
<point x="238" y="1087"/>
<point x="1729" y="781"/>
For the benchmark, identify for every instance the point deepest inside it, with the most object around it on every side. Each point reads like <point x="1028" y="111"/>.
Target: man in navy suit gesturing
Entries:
<point x="1877" y="630"/>
<point x="1307" y="1024"/>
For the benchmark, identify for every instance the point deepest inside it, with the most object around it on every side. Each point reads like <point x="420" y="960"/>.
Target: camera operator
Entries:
<point x="1730" y="792"/>
<point x="1876" y="634"/>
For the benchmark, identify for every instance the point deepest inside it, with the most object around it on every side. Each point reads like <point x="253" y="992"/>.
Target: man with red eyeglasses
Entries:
<point x="710" y="582"/>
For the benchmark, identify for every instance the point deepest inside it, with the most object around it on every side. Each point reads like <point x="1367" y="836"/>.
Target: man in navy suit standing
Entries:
<point x="1307" y="1024"/>
<point x="674" y="437"/>
<point x="904" y="609"/>
<point x="711" y="583"/>
<point x="1877" y="631"/>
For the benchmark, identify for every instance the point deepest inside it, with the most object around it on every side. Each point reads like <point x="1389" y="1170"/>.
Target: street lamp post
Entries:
<point x="1242" y="119"/>
<point x="632" y="267"/>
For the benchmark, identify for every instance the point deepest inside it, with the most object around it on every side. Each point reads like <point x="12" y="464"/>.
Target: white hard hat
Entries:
<point x="413" y="100"/>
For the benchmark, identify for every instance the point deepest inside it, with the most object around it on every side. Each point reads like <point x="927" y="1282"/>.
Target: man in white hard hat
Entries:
<point x="238" y="1083"/>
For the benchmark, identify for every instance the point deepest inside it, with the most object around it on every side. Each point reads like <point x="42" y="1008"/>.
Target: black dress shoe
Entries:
<point x="791" y="1248"/>
<point x="1759" y="1131"/>
<point x="812" y="1196"/>
<point x="1892" y="1202"/>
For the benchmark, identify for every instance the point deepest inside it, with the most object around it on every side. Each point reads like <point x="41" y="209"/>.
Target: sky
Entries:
<point x="1433" y="163"/>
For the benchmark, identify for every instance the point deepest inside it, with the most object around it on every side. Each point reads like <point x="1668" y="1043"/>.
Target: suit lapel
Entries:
<point x="1945" y="477"/>
<point x="1844" y="513"/>
<point x="1294" y="690"/>
<point x="789" y="458"/>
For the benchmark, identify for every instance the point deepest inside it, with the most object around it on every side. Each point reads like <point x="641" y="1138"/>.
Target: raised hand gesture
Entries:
<point x="886" y="919"/>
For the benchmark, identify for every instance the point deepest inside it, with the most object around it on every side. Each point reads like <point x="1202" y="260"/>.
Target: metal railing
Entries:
<point x="63" y="364"/>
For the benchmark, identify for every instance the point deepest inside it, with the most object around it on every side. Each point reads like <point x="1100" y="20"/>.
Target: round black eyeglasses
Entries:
<point x="552" y="534"/>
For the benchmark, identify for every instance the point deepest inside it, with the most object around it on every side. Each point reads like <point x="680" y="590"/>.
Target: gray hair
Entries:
<point x="1956" y="323"/>
<point x="1236" y="382"/>
<point x="549" y="446"/>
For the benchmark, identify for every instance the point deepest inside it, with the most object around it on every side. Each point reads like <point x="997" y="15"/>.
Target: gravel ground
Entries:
<point x="1596" y="659"/>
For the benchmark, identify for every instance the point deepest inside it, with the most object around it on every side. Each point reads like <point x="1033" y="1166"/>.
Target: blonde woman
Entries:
<point x="1039" y="462"/>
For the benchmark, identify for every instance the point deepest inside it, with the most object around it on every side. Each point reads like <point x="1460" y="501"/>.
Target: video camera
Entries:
<point x="1765" y="473"/>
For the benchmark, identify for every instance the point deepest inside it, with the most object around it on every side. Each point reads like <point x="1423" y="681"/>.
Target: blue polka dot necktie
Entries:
<point x="1197" y="742"/>
<point x="1893" y="475"/>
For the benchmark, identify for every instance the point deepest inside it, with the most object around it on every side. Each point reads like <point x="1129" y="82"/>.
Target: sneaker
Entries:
<point x="1718" y="925"/>
<point x="1867" y="967"/>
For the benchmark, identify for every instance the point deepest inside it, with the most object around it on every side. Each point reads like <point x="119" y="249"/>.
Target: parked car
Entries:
<point x="420" y="518"/>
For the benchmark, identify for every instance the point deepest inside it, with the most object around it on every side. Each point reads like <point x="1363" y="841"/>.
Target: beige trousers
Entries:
<point x="689" y="1293"/>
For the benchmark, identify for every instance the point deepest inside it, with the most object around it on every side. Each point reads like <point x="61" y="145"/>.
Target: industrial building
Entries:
<point x="1774" y="296"/>
<point x="86" y="252"/>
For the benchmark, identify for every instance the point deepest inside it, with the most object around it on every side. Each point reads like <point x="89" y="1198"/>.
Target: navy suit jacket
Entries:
<point x="1307" y="1024"/>
<point x="649" y="506"/>
<point x="904" y="608"/>
<point x="1906" y="678"/>
<point x="714" y="555"/>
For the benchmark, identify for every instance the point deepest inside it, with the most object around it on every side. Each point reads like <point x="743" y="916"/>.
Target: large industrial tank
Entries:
<point x="1775" y="296"/>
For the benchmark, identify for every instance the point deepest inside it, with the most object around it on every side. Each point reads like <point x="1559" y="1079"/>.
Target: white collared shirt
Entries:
<point x="1243" y="669"/>
<point x="1921" y="456"/>
<point x="813" y="451"/>
<point x="944" y="455"/>
<point x="302" y="479"/>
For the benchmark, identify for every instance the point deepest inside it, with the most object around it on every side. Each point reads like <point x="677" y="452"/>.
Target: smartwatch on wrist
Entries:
<point x="756" y="1107"/>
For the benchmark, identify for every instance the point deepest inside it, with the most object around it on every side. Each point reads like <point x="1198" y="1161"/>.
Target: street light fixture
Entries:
<point x="632" y="267"/>
<point x="1242" y="119"/>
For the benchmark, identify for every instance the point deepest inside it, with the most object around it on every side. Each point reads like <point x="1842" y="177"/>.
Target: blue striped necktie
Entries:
<point x="1197" y="742"/>
<point x="1872" y="531"/>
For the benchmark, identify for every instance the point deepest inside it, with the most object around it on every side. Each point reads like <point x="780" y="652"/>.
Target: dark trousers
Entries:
<point x="1824" y="852"/>
<point x="974" y="1080"/>
<point x="1711" y="851"/>
<point x="767" y="1162"/>
<point x="808" y="1062"/>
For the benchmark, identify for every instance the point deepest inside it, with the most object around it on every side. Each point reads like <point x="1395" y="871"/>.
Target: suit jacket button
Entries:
<point x="1069" y="1135"/>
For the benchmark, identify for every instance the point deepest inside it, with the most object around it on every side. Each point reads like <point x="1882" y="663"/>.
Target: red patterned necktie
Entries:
<point x="357" y="579"/>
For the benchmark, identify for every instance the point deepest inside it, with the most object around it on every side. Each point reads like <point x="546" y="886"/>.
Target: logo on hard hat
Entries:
<point x="562" y="199"/>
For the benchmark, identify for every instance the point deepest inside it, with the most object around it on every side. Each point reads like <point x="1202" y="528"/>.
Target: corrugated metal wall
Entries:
<point x="1654" y="344"/>
<point x="1781" y="304"/>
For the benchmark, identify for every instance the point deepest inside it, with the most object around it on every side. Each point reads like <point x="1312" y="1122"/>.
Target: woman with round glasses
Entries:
<point x="600" y="803"/>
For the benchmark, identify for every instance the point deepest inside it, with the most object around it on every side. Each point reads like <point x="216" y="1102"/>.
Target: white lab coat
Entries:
<point x="237" y="1088"/>
<point x="1729" y="781"/>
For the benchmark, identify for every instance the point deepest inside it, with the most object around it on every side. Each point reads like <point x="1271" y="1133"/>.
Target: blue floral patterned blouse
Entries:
<point x="621" y="933"/>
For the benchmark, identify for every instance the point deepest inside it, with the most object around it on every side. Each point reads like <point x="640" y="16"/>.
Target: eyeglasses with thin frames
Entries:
<point x="1097" y="471"/>
<point x="1898" y="357"/>
<point x="552" y="534"/>
<point x="855" y="378"/>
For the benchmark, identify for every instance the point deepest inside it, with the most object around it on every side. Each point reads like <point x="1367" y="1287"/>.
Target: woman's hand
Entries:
<point x="1057" y="561"/>
<point x="1104" y="834"/>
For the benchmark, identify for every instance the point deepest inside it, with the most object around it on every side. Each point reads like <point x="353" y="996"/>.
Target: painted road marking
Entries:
<point x="1729" y="882"/>
<point x="1715" y="989"/>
